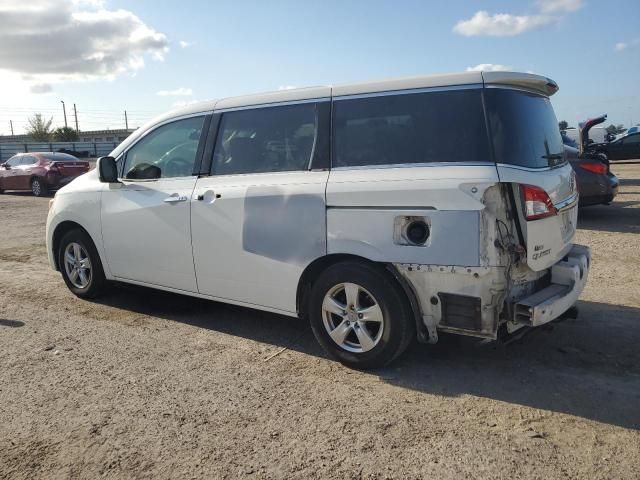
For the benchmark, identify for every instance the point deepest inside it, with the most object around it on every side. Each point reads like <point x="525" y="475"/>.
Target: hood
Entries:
<point x="584" y="127"/>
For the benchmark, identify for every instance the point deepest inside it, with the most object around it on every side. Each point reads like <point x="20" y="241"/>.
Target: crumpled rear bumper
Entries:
<point x="568" y="278"/>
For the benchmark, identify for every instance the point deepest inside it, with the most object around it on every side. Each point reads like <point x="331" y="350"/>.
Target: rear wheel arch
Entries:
<point x="343" y="336"/>
<point x="316" y="267"/>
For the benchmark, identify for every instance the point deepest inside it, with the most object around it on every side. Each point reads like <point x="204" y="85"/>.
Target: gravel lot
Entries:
<point x="146" y="384"/>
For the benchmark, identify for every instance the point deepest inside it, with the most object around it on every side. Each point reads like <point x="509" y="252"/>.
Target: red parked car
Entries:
<point x="40" y="172"/>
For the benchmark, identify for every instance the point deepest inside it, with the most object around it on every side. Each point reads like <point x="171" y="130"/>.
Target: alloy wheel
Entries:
<point x="352" y="317"/>
<point x="77" y="265"/>
<point x="36" y="188"/>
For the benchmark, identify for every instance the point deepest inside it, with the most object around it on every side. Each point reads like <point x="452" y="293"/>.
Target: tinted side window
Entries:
<point x="27" y="160"/>
<point x="631" y="139"/>
<point x="524" y="128"/>
<point x="13" y="161"/>
<point x="447" y="126"/>
<point x="270" y="139"/>
<point x="168" y="151"/>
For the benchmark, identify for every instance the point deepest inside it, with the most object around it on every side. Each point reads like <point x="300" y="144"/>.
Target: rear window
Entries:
<point x="446" y="126"/>
<point x="524" y="129"/>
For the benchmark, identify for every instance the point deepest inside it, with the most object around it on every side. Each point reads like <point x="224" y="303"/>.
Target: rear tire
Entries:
<point x="80" y="265"/>
<point x="360" y="316"/>
<point x="38" y="187"/>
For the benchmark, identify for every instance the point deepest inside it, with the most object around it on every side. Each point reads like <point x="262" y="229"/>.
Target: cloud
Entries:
<point x="620" y="46"/>
<point x="559" y="6"/>
<point x="74" y="40"/>
<point x="500" y="24"/>
<point x="41" y="88"/>
<point x="490" y="67"/>
<point x="178" y="92"/>
<point x="185" y="44"/>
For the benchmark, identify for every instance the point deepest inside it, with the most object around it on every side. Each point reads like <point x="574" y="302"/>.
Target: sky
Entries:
<point x="149" y="56"/>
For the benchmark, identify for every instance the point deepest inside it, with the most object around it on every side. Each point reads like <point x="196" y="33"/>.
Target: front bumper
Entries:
<point x="568" y="278"/>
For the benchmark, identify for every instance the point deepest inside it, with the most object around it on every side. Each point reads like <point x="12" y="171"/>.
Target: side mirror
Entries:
<point x="108" y="170"/>
<point x="5" y="166"/>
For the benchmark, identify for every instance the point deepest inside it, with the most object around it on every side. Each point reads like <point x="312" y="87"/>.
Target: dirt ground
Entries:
<point x="147" y="384"/>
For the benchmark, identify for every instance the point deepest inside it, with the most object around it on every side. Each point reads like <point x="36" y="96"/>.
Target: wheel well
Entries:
<point x="317" y="266"/>
<point x="59" y="232"/>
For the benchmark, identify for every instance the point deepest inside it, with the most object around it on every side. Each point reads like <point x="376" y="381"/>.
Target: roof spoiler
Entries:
<point x="583" y="131"/>
<point x="528" y="81"/>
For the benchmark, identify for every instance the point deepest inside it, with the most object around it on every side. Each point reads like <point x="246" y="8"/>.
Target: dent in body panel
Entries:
<point x="288" y="228"/>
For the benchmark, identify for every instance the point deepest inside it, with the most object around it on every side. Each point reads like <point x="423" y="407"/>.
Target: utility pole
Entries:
<point x="64" y="112"/>
<point x="126" y="121"/>
<point x="75" y="113"/>
<point x="11" y="125"/>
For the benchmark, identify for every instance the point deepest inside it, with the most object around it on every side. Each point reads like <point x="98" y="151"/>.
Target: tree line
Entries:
<point x="40" y="130"/>
<point x="613" y="129"/>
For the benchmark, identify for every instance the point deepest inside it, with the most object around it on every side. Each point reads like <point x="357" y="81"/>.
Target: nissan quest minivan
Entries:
<point x="380" y="211"/>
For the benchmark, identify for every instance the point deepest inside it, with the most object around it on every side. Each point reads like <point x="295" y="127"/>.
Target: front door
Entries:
<point x="146" y="219"/>
<point x="23" y="172"/>
<point x="10" y="173"/>
<point x="260" y="219"/>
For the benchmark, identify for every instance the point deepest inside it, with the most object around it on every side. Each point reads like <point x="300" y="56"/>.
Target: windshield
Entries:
<point x="524" y="129"/>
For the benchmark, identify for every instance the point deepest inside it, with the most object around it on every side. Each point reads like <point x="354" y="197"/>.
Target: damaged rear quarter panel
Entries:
<point x="459" y="256"/>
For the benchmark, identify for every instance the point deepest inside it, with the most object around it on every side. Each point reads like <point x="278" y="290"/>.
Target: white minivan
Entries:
<point x="365" y="208"/>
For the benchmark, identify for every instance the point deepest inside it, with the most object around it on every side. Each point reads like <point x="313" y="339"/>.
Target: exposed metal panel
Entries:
<point x="454" y="238"/>
<point x="284" y="224"/>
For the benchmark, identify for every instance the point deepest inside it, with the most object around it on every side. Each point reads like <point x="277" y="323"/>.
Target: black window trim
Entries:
<point x="199" y="151"/>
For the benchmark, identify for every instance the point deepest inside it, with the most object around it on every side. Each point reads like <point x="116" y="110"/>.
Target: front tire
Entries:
<point x="80" y="265"/>
<point x="38" y="188"/>
<point x="359" y="315"/>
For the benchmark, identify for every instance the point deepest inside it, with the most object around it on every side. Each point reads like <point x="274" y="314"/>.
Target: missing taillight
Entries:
<point x="536" y="202"/>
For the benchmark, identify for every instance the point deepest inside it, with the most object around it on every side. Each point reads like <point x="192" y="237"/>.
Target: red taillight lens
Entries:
<point x="536" y="202"/>
<point x="594" y="167"/>
<point x="53" y="167"/>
